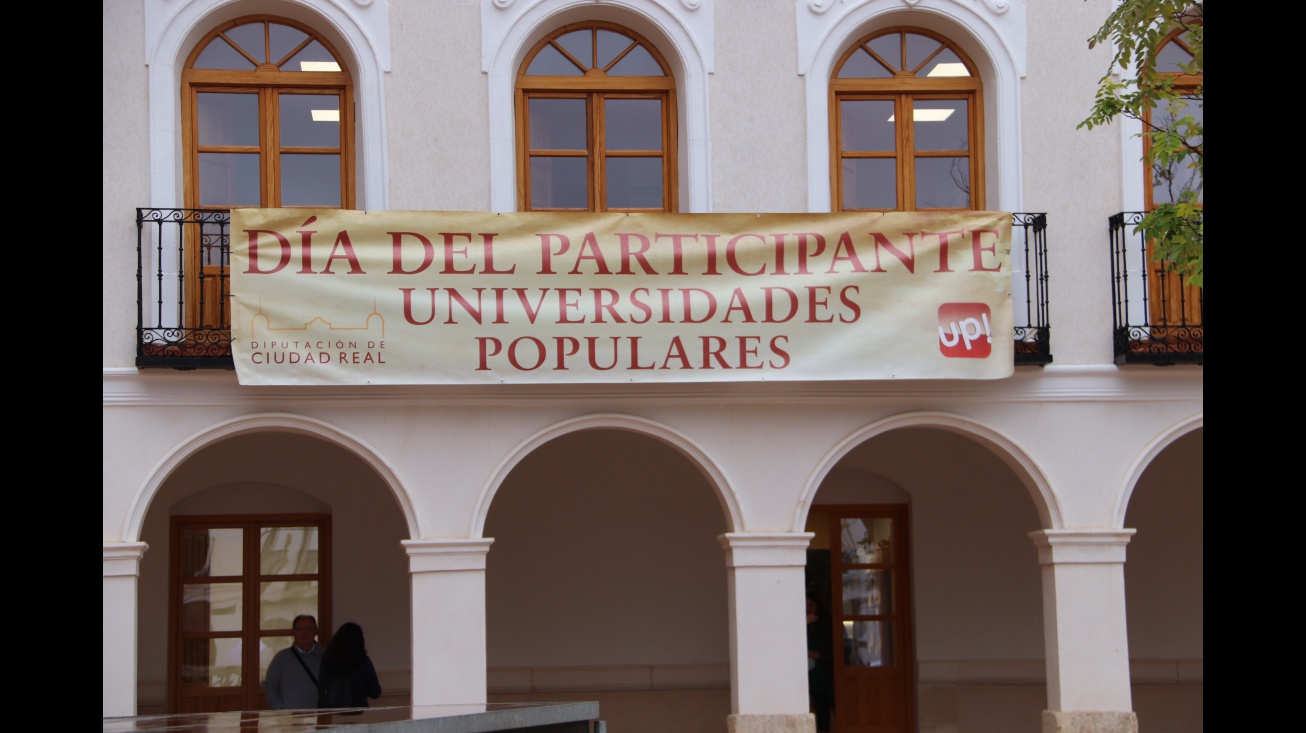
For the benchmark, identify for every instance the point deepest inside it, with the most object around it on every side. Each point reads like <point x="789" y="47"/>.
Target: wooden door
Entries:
<point x="870" y="594"/>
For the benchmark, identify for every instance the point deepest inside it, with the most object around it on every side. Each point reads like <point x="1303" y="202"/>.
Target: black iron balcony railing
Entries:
<point x="1029" y="295"/>
<point x="183" y="289"/>
<point x="1156" y="318"/>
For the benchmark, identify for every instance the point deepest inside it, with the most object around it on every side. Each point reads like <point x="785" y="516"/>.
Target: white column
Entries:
<point x="1085" y="639"/>
<point x="448" y="578"/>
<point x="768" y="632"/>
<point x="122" y="565"/>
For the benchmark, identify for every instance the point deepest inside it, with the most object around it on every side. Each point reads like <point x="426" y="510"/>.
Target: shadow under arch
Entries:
<point x="262" y="423"/>
<point x="1144" y="459"/>
<point x="1026" y="469"/>
<point x="725" y="494"/>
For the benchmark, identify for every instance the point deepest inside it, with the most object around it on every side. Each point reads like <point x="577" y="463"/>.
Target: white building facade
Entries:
<point x="651" y="546"/>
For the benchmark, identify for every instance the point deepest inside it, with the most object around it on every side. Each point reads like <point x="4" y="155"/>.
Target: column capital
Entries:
<point x="123" y="558"/>
<point x="1090" y="546"/>
<point x="445" y="555"/>
<point x="766" y="550"/>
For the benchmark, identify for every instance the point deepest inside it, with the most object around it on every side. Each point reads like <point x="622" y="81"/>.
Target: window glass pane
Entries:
<point x="310" y="180"/>
<point x="250" y="38"/>
<point x="634" y="183"/>
<point x="229" y="179"/>
<point x="639" y="62"/>
<point x="208" y="553"/>
<point x="865" y="541"/>
<point x="579" y="44"/>
<point x="611" y="44"/>
<point x="558" y="183"/>
<point x="868" y="643"/>
<point x="862" y="66"/>
<point x="310" y="120"/>
<point x="268" y="646"/>
<point x="870" y="183"/>
<point x="940" y="124"/>
<point x="1172" y="58"/>
<point x="866" y="125"/>
<point x="1170" y="182"/>
<point x="946" y="64"/>
<point x="633" y="124"/>
<point x="918" y="49"/>
<point x="313" y="57"/>
<point x="210" y="663"/>
<point x="889" y="48"/>
<point x="557" y="124"/>
<point x="550" y="62"/>
<point x="281" y="601"/>
<point x="867" y="592"/>
<point x="211" y="607"/>
<point x="283" y="40"/>
<point x="227" y="119"/>
<point x="288" y="551"/>
<point x="220" y="55"/>
<point x="942" y="183"/>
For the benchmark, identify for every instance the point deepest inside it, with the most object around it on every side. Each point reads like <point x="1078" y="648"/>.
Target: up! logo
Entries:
<point x="964" y="331"/>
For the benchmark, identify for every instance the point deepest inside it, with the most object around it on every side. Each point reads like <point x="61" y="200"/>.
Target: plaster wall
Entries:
<point x="436" y="109"/>
<point x="125" y="174"/>
<point x="757" y="103"/>
<point x="1073" y="175"/>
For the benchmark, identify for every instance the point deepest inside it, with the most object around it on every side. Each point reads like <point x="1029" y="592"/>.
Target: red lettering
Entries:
<point x="396" y="253"/>
<point x="282" y="242"/>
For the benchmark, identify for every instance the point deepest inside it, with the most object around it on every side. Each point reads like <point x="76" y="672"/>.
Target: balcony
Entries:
<point x="1156" y="319"/>
<point x="183" y="289"/>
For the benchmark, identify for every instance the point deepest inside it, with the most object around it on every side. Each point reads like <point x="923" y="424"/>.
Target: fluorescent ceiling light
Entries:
<point x="326" y="115"/>
<point x="319" y="66"/>
<point x="953" y="69"/>
<point x="929" y="115"/>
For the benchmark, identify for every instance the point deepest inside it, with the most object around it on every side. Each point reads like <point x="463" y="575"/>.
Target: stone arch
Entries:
<point x="992" y="32"/>
<point x="359" y="30"/>
<point x="682" y="31"/>
<point x="1144" y="459"/>
<point x="725" y="494"/>
<point x="269" y="422"/>
<point x="1031" y="475"/>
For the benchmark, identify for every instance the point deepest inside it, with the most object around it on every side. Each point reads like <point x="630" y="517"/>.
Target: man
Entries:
<point x="289" y="685"/>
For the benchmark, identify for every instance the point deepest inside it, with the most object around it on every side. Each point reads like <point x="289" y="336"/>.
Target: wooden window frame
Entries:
<point x="210" y="308"/>
<point x="1184" y="304"/>
<point x="904" y="89"/>
<point x="595" y="89"/>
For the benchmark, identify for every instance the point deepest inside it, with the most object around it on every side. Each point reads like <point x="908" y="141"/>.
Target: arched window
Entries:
<point x="1167" y="184"/>
<point x="879" y="162"/>
<point x="596" y="123"/>
<point x="1171" y="300"/>
<point x="267" y="121"/>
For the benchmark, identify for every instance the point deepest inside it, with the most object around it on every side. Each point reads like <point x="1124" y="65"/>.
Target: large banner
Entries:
<point x="325" y="296"/>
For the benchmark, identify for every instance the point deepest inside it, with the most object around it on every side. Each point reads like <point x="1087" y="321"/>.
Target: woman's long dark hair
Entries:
<point x="346" y="650"/>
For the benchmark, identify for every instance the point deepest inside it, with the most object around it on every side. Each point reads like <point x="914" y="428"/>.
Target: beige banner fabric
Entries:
<point x="328" y="296"/>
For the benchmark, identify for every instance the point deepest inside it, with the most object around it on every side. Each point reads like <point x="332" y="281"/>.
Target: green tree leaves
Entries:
<point x="1155" y="77"/>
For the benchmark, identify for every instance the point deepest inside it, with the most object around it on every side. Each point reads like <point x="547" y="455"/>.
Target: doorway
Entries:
<point x="237" y="584"/>
<point x="858" y="567"/>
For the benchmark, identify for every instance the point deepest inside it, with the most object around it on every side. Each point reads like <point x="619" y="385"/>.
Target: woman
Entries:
<point x="820" y="663"/>
<point x="348" y="677"/>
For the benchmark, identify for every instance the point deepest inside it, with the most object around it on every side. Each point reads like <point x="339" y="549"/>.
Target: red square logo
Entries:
<point x="965" y="331"/>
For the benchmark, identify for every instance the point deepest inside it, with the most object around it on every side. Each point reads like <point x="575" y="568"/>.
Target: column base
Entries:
<point x="1061" y="721"/>
<point x="771" y="723"/>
